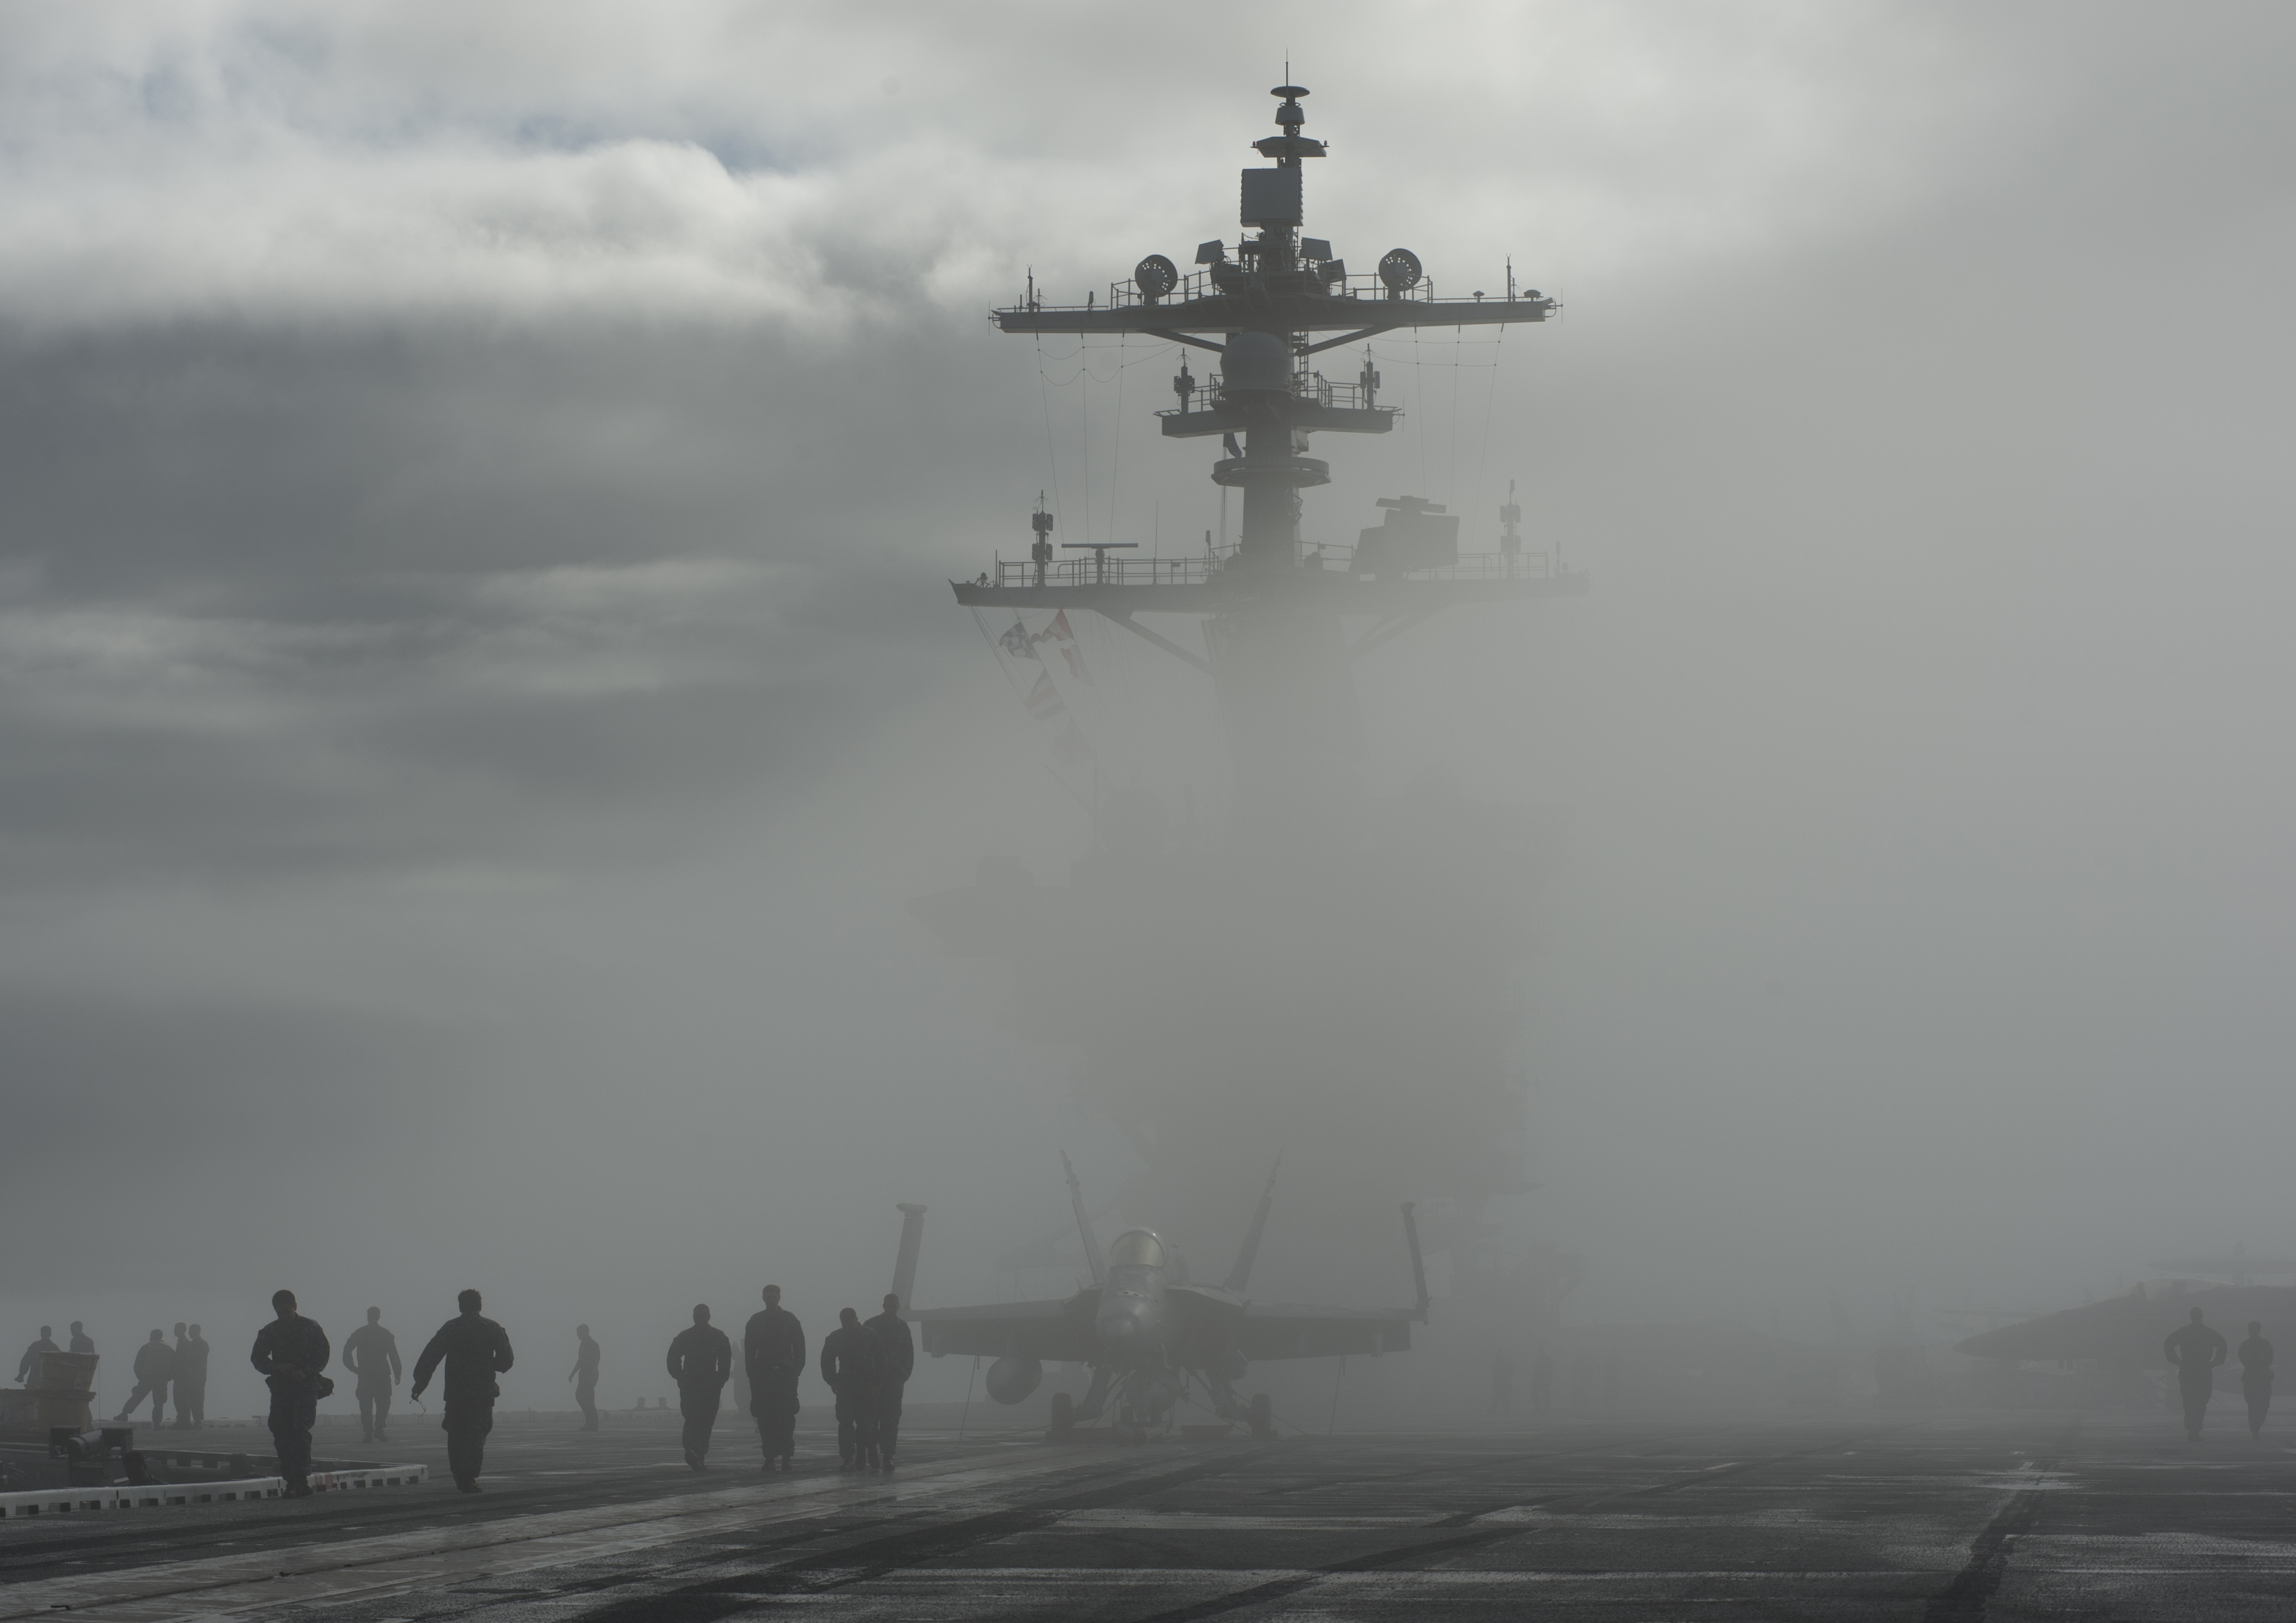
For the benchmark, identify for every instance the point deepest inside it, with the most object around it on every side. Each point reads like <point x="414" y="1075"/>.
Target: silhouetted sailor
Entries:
<point x="371" y="1353"/>
<point x="701" y="1359"/>
<point x="1501" y="1383"/>
<point x="46" y="1344"/>
<point x="474" y="1350"/>
<point x="291" y="1354"/>
<point x="2195" y="1351"/>
<point x="1541" y="1384"/>
<point x="155" y="1366"/>
<point x="585" y="1376"/>
<point x="773" y="1352"/>
<point x="848" y="1363"/>
<point x="191" y="1379"/>
<point x="81" y="1341"/>
<point x="2256" y="1377"/>
<point x="896" y="1359"/>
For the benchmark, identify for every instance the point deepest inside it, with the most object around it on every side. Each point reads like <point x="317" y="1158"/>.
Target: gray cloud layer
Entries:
<point x="475" y="690"/>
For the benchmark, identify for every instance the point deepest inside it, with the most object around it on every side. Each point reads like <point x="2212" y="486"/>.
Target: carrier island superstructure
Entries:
<point x="1275" y="610"/>
<point x="1329" y="976"/>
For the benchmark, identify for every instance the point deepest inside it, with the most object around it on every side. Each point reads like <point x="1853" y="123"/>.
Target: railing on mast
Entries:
<point x="1224" y="280"/>
<point x="1307" y="385"/>
<point x="1200" y="568"/>
<point x="1203" y="284"/>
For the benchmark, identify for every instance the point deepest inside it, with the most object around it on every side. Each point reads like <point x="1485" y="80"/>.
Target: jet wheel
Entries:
<point x="1263" y="1417"/>
<point x="1063" y="1413"/>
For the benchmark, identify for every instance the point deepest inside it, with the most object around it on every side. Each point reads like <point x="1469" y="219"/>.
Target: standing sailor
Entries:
<point x="2195" y="1351"/>
<point x="46" y="1344"/>
<point x="192" y="1380"/>
<point x="585" y="1376"/>
<point x="772" y="1348"/>
<point x="701" y="1359"/>
<point x="475" y="1350"/>
<point x="897" y="1358"/>
<point x="291" y="1353"/>
<point x="848" y="1363"/>
<point x="371" y="1352"/>
<point x="155" y="1366"/>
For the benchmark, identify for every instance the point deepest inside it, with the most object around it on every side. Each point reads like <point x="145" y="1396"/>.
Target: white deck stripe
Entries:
<point x="96" y="1501"/>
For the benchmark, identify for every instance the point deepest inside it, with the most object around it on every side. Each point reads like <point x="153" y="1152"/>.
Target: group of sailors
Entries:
<point x="159" y="1368"/>
<point x="2197" y="1351"/>
<point x="291" y="1354"/>
<point x="866" y="1365"/>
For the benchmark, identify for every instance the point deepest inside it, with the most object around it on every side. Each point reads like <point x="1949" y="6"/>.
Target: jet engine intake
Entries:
<point x="1011" y="1380"/>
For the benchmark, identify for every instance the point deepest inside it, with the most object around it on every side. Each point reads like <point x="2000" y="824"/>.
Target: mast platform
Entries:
<point x="1282" y="299"/>
<point x="1191" y="586"/>
<point x="1356" y="313"/>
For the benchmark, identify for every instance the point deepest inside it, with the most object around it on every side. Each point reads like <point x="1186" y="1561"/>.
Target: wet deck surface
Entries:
<point x="1951" y="1515"/>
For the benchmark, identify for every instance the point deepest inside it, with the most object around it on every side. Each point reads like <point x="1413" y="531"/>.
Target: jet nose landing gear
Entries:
<point x="1150" y="1401"/>
<point x="1263" y="1418"/>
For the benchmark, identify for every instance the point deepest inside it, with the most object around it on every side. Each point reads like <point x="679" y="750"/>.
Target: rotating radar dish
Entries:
<point x="1399" y="267"/>
<point x="1155" y="276"/>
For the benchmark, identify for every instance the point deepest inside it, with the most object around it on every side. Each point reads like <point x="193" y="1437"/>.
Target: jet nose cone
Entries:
<point x="1119" y="1326"/>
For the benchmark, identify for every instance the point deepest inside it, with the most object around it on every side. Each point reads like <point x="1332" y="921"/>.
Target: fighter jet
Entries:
<point x="2240" y="1268"/>
<point x="1149" y="1334"/>
<point x="2126" y="1330"/>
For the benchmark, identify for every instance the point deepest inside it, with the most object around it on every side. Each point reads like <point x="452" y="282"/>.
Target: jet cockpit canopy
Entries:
<point x="1138" y="1246"/>
<point x="1145" y="1247"/>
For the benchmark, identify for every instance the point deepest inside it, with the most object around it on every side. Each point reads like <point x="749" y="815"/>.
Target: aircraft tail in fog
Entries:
<point x="905" y="1264"/>
<point x="1084" y="1224"/>
<point x="1240" y="1275"/>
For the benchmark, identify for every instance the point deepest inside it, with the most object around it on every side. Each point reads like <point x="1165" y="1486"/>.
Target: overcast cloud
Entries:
<point x="477" y="689"/>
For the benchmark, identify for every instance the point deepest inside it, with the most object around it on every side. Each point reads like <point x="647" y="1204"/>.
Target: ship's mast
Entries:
<point x="1276" y="636"/>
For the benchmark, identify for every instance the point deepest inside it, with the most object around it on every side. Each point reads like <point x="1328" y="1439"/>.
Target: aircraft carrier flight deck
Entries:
<point x="1940" y="1514"/>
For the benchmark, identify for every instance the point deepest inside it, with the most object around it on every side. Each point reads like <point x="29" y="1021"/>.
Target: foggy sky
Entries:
<point x="478" y="689"/>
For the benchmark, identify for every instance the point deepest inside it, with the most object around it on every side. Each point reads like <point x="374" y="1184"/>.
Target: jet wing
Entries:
<point x="2127" y="1329"/>
<point x="1060" y="1330"/>
<point x="1262" y="1330"/>
<point x="1281" y="1330"/>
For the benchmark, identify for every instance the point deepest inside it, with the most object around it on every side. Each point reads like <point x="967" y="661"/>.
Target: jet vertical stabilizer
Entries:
<point x="1238" y="1275"/>
<point x="905" y="1264"/>
<point x="1084" y="1224"/>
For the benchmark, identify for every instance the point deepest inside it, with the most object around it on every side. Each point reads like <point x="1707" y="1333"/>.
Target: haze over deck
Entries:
<point x="456" y="463"/>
